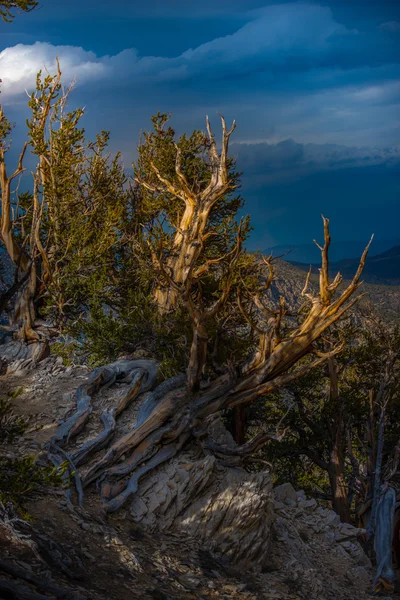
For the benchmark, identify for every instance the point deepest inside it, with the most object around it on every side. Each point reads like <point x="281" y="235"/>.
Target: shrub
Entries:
<point x="20" y="477"/>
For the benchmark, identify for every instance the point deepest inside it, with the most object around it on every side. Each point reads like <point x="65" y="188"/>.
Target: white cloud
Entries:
<point x="266" y="75"/>
<point x="274" y="36"/>
<point x="20" y="64"/>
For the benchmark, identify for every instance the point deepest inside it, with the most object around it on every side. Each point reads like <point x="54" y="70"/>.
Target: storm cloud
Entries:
<point x="314" y="88"/>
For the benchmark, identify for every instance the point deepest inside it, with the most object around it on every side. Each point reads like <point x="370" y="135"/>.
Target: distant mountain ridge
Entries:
<point x="290" y="278"/>
<point x="309" y="253"/>
<point x="382" y="269"/>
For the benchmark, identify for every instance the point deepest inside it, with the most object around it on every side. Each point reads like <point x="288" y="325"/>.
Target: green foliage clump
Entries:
<point x="106" y="334"/>
<point x="20" y="476"/>
<point x="317" y="424"/>
<point x="67" y="348"/>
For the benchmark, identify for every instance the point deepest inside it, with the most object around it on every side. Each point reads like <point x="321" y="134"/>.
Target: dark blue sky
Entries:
<point x="313" y="86"/>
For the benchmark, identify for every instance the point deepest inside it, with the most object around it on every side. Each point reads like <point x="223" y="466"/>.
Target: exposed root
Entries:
<point x="143" y="452"/>
<point x="131" y="393"/>
<point x="146" y="447"/>
<point x="152" y="401"/>
<point x="141" y="376"/>
<point x="82" y="455"/>
<point x="72" y="426"/>
<point x="143" y="373"/>
<point x="85" y="452"/>
<point x="127" y="369"/>
<point x="166" y="453"/>
<point x="166" y="409"/>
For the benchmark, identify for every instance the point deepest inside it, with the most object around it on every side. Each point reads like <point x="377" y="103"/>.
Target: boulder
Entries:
<point x="285" y="493"/>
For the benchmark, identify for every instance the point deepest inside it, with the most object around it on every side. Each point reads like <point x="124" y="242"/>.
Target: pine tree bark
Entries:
<point x="339" y="487"/>
<point x="338" y="484"/>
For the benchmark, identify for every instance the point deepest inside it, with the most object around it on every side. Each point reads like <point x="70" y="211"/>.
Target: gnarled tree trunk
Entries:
<point x="339" y="489"/>
<point x="340" y="501"/>
<point x="384" y="579"/>
<point x="23" y="315"/>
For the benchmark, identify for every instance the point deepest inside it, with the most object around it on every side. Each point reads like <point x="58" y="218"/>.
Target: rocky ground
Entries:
<point x="311" y="555"/>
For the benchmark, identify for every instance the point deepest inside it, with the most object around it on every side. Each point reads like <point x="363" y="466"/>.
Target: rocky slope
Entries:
<point x="291" y="548"/>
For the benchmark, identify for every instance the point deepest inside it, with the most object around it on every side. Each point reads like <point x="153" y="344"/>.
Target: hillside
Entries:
<point x="199" y="527"/>
<point x="384" y="267"/>
<point x="301" y="551"/>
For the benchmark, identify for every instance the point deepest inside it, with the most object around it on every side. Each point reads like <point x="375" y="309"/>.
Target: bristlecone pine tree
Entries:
<point x="194" y="245"/>
<point x="60" y="237"/>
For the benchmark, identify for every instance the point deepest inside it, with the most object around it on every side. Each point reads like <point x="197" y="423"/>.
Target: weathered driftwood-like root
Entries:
<point x="41" y="584"/>
<point x="127" y="369"/>
<point x="166" y="409"/>
<point x="83" y="454"/>
<point x="161" y="445"/>
<point x="145" y="451"/>
<point x="72" y="426"/>
<point x="165" y="453"/>
<point x="132" y="392"/>
<point x="141" y="376"/>
<point x="147" y="447"/>
<point x="144" y="371"/>
<point x="154" y="398"/>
